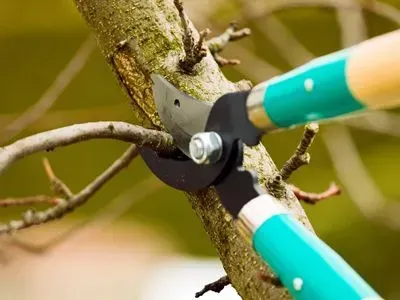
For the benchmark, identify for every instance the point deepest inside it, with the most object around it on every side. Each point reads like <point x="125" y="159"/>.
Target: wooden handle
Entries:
<point x="373" y="71"/>
<point x="366" y="76"/>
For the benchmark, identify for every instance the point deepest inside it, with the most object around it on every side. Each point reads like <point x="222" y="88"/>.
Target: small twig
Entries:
<point x="101" y="218"/>
<point x="194" y="52"/>
<point x="31" y="200"/>
<point x="31" y="217"/>
<point x="217" y="44"/>
<point x="301" y="156"/>
<point x="53" y="92"/>
<point x="47" y="141"/>
<point x="57" y="185"/>
<point x="222" y="61"/>
<point x="216" y="286"/>
<point x="314" y="198"/>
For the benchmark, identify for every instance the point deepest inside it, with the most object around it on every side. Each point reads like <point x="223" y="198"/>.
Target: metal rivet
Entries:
<point x="297" y="283"/>
<point x="205" y="148"/>
<point x="309" y="84"/>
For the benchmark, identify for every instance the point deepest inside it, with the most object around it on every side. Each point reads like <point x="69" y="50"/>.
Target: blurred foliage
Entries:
<point x="38" y="38"/>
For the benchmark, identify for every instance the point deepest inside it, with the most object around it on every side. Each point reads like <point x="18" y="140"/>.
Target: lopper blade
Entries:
<point x="182" y="115"/>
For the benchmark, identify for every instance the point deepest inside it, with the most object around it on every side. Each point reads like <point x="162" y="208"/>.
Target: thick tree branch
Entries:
<point x="49" y="140"/>
<point x="50" y="96"/>
<point x="31" y="217"/>
<point x="153" y="31"/>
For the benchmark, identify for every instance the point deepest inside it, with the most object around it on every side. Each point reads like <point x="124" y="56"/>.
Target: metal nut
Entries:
<point x="205" y="147"/>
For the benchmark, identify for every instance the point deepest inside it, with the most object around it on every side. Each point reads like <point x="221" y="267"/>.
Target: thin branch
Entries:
<point x="50" y="96"/>
<point x="217" y="44"/>
<point x="314" y="198"/>
<point x="352" y="25"/>
<point x="349" y="167"/>
<point x="49" y="140"/>
<point x="216" y="286"/>
<point x="273" y="29"/>
<point x="102" y="218"/>
<point x="31" y="200"/>
<point x="382" y="9"/>
<point x="382" y="122"/>
<point x="57" y="185"/>
<point x="62" y="117"/>
<point x="354" y="29"/>
<point x="194" y="52"/>
<point x="31" y="218"/>
<point x="301" y="156"/>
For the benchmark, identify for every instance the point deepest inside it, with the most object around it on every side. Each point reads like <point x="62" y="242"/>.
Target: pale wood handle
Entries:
<point x="373" y="71"/>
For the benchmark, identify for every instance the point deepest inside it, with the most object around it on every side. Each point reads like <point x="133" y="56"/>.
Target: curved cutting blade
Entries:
<point x="182" y="115"/>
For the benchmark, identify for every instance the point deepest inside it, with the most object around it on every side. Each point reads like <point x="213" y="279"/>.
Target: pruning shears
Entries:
<point x="211" y="138"/>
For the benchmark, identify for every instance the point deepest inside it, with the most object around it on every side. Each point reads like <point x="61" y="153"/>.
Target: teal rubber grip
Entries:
<point x="308" y="267"/>
<point x="316" y="91"/>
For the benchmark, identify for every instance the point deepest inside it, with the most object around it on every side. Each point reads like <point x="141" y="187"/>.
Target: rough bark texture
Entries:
<point x="143" y="36"/>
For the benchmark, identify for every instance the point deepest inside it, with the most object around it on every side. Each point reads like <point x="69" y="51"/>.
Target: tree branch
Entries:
<point x="314" y="198"/>
<point x="382" y="122"/>
<point x="32" y="217"/>
<point x="382" y="9"/>
<point x="100" y="219"/>
<point x="57" y="185"/>
<point x="159" y="50"/>
<point x="217" y="44"/>
<point x="348" y="165"/>
<point x="300" y="157"/>
<point x="273" y="29"/>
<point x="50" y="96"/>
<point x="49" y="140"/>
<point x="30" y="200"/>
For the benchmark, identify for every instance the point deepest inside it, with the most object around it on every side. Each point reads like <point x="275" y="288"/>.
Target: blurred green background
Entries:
<point x="37" y="38"/>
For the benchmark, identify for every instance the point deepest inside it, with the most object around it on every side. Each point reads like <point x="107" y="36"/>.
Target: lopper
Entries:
<point x="211" y="138"/>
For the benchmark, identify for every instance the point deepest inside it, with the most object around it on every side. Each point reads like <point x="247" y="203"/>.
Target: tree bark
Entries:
<point x="142" y="36"/>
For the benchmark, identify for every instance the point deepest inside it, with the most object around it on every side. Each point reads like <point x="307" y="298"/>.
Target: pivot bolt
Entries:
<point x="205" y="148"/>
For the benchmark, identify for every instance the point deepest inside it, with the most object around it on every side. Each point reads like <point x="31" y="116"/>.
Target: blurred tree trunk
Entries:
<point x="142" y="36"/>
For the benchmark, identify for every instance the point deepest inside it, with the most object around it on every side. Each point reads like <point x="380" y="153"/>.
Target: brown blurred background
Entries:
<point x="38" y="38"/>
